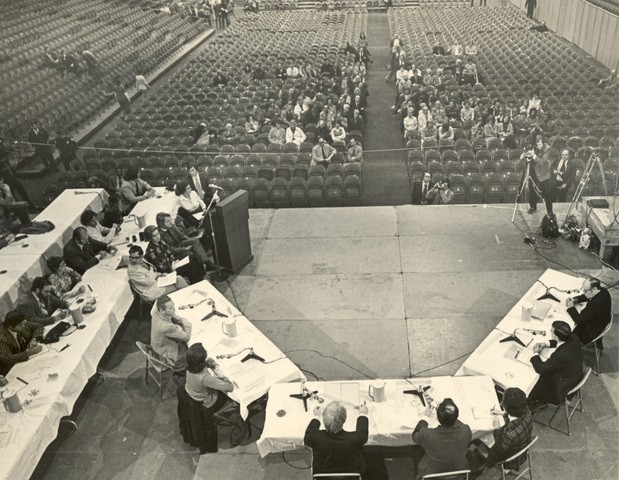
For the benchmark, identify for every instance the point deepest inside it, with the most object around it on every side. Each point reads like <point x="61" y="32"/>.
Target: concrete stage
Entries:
<point x="390" y="291"/>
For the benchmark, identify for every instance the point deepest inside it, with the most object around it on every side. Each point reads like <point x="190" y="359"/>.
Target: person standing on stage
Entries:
<point x="541" y="179"/>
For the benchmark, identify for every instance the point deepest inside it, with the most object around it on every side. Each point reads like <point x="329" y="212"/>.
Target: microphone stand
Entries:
<point x="218" y="275"/>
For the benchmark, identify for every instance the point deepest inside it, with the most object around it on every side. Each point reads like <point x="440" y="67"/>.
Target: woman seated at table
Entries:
<point x="159" y="254"/>
<point x="143" y="277"/>
<point x="190" y="203"/>
<point x="63" y="279"/>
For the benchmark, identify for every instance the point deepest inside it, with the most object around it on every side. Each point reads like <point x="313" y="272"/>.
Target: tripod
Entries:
<point x="584" y="180"/>
<point x="525" y="187"/>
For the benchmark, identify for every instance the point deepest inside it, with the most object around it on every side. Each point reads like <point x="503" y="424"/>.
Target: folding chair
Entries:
<point x="526" y="450"/>
<point x="158" y="363"/>
<point x="597" y="353"/>
<point x="574" y="393"/>
<point x="455" y="475"/>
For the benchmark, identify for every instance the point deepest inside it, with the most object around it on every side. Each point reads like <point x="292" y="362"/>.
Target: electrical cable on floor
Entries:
<point x="332" y="358"/>
<point x="441" y="365"/>
<point x="236" y="302"/>
<point x="293" y="466"/>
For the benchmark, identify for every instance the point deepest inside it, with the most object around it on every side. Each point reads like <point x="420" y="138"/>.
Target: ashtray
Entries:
<point x="281" y="413"/>
<point x="88" y="308"/>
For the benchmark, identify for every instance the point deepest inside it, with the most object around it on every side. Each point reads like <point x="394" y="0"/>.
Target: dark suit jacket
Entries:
<point x="568" y="175"/>
<point x="445" y="447"/>
<point x="337" y="452"/>
<point x="203" y="183"/>
<point x="563" y="370"/>
<point x="28" y="305"/>
<point x="594" y="317"/>
<point x="41" y="137"/>
<point x="81" y="259"/>
<point x="417" y="197"/>
<point x="11" y="352"/>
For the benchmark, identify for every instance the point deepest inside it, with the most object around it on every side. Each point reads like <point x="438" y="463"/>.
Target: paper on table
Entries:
<point x="167" y="279"/>
<point x="198" y="216"/>
<point x="482" y="413"/>
<point x="350" y="393"/>
<point x="516" y="352"/>
<point x="180" y="263"/>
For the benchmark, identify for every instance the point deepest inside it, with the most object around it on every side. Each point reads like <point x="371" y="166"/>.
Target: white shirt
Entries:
<point x="297" y="136"/>
<point x="97" y="233"/>
<point x="141" y="83"/>
<point x="192" y="203"/>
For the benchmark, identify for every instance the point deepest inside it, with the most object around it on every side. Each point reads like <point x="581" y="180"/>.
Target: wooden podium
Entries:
<point x="230" y="225"/>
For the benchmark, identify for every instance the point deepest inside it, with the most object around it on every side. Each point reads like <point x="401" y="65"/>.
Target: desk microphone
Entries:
<point x="216" y="187"/>
<point x="227" y="355"/>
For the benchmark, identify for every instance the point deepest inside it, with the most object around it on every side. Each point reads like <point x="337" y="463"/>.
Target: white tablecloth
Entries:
<point x="489" y="358"/>
<point x="253" y="378"/>
<point x="391" y="422"/>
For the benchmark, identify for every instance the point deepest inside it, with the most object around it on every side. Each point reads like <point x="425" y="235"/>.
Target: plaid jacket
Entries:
<point x="510" y="439"/>
<point x="11" y="352"/>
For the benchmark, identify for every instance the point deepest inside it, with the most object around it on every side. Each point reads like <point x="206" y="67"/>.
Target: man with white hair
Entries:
<point x="335" y="450"/>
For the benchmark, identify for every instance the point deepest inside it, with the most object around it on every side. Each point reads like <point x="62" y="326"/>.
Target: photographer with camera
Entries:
<point x="540" y="178"/>
<point x="440" y="193"/>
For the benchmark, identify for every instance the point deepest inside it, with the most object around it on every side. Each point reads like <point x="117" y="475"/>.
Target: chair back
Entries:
<point x="580" y="384"/>
<point x="592" y="342"/>
<point x="157" y="361"/>
<point x="337" y="476"/>
<point x="516" y="455"/>
<point x="458" y="474"/>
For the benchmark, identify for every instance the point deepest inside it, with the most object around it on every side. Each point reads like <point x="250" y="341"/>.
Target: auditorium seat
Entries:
<point x="297" y="192"/>
<point x="352" y="190"/>
<point x="316" y="191"/>
<point x="260" y="193"/>
<point x="334" y="191"/>
<point x="279" y="193"/>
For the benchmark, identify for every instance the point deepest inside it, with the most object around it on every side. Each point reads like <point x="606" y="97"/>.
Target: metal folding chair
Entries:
<point x="526" y="449"/>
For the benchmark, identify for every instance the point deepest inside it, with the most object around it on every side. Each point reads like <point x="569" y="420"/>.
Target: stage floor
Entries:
<point x="390" y="292"/>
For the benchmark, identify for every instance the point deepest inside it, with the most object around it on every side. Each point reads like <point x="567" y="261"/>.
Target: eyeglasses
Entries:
<point x="134" y="259"/>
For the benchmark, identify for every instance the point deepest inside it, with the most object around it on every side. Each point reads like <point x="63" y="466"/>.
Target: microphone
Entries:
<point x="222" y="357"/>
<point x="217" y="187"/>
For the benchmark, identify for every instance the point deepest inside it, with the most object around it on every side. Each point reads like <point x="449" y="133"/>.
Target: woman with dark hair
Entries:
<point x="189" y="203"/>
<point x="63" y="279"/>
<point x="143" y="277"/>
<point x="159" y="255"/>
<point x="251" y="125"/>
<point x="134" y="189"/>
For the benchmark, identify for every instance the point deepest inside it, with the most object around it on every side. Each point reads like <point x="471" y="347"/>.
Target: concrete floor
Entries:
<point x="390" y="292"/>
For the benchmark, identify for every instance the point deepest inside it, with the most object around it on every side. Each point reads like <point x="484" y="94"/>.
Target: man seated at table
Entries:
<point x="510" y="438"/>
<point x="335" y="450"/>
<point x="82" y="252"/>
<point x="444" y="448"/>
<point x="596" y="315"/>
<point x="18" y="340"/>
<point x="39" y="303"/>
<point x="169" y="334"/>
<point x="143" y="277"/>
<point x="180" y="244"/>
<point x="562" y="371"/>
<point x="95" y="230"/>
<point x="133" y="189"/>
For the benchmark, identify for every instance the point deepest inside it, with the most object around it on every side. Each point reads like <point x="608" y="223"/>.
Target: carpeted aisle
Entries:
<point x="385" y="180"/>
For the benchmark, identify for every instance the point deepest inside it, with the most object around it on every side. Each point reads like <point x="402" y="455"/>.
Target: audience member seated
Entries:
<point x="134" y="189"/>
<point x="334" y="449"/>
<point x="411" y="125"/>
<point x="169" y="334"/>
<point x="63" y="279"/>
<point x="444" y="448"/>
<point x="510" y="438"/>
<point x="95" y="230"/>
<point x="446" y="132"/>
<point x="82" y="252"/>
<point x="159" y="254"/>
<point x="322" y="153"/>
<point x="19" y="339"/>
<point x="562" y="371"/>
<point x="206" y="389"/>
<point x="294" y="134"/>
<point x="201" y="135"/>
<point x="595" y="316"/>
<point x="277" y="134"/>
<point x="419" y="195"/>
<point x="143" y="277"/>
<point x="355" y="152"/>
<point x="338" y="133"/>
<point x="251" y="125"/>
<point x="440" y="193"/>
<point x="39" y="303"/>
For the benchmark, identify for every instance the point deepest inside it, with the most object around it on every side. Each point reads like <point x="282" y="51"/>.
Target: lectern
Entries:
<point x="231" y="232"/>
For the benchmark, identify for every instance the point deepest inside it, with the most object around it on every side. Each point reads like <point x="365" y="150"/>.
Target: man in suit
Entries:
<point x="42" y="150"/>
<point x="198" y="181"/>
<point x="134" y="189"/>
<point x="82" y="252"/>
<point x="444" y="448"/>
<point x="169" y="334"/>
<point x="39" y="304"/>
<point x="322" y="153"/>
<point x="294" y="133"/>
<point x="562" y="371"/>
<point x="597" y="314"/>
<point x="180" y="244"/>
<point x="420" y="190"/>
<point x="18" y="340"/>
<point x="564" y="172"/>
<point x="335" y="450"/>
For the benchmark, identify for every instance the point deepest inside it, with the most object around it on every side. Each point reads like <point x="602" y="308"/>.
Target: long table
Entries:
<point x="26" y="259"/>
<point x="391" y="422"/>
<point x="494" y="358"/>
<point x="252" y="378"/>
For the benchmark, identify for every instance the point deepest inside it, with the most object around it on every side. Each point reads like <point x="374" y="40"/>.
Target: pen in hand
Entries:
<point x="64" y="348"/>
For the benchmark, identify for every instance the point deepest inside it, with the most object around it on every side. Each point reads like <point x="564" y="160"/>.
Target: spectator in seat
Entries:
<point x="39" y="303"/>
<point x="322" y="153"/>
<point x="411" y="125"/>
<point x="280" y="72"/>
<point x="134" y="190"/>
<point x="141" y="84"/>
<point x="338" y="133"/>
<point x="444" y="448"/>
<point x="169" y="334"/>
<point x="430" y="130"/>
<point x="220" y="79"/>
<point x="143" y="277"/>
<point x="251" y="125"/>
<point x="439" y="114"/>
<point x="83" y="253"/>
<point x="202" y="135"/>
<point x="277" y="134"/>
<point x="95" y="230"/>
<point x="334" y="449"/>
<point x="420" y="190"/>
<point x="491" y="130"/>
<point x="294" y="133"/>
<point x="446" y="132"/>
<point x="440" y="193"/>
<point x="227" y="135"/>
<point x="19" y="340"/>
<point x="356" y="123"/>
<point x="355" y="152"/>
<point x="467" y="113"/>
<point x="423" y="118"/>
<point x="535" y="102"/>
<point x="63" y="279"/>
<point x="292" y="71"/>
